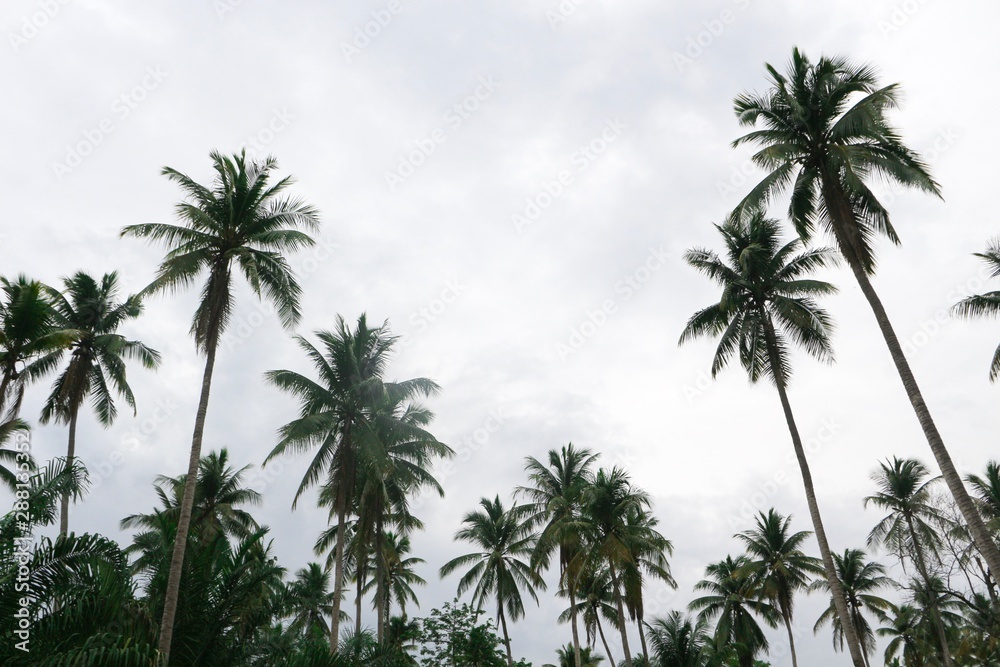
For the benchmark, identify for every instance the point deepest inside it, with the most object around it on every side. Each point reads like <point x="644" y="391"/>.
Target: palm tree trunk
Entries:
<point x="576" y="633"/>
<point x="932" y="600"/>
<point x="791" y="638"/>
<point x="358" y="598"/>
<point x="379" y="582"/>
<point x="187" y="504"/>
<point x="839" y="600"/>
<point x="621" y="615"/>
<point x="506" y="637"/>
<point x="841" y="211"/>
<point x="607" y="649"/>
<point x="338" y="571"/>
<point x="70" y="454"/>
<point x="642" y="638"/>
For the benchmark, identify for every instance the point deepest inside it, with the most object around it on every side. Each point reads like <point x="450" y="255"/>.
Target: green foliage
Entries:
<point x="452" y="636"/>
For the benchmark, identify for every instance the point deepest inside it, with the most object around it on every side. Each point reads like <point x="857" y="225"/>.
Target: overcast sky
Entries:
<point x="512" y="186"/>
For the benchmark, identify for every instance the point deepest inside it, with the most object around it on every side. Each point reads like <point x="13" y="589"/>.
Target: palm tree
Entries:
<point x="400" y="577"/>
<point x="907" y="530"/>
<point x="988" y="304"/>
<point x="348" y="415"/>
<point x="767" y="300"/>
<point x="30" y="343"/>
<point x="242" y="220"/>
<point x="19" y="459"/>
<point x="500" y="570"/>
<point x="649" y="551"/>
<point x="907" y="636"/>
<point x="734" y="599"/>
<point x="595" y="601"/>
<point x="91" y="309"/>
<point x="574" y="656"/>
<point x="310" y="601"/>
<point x="555" y="494"/>
<point x="679" y="641"/>
<point x="859" y="580"/>
<point x="825" y="134"/>
<point x="779" y="565"/>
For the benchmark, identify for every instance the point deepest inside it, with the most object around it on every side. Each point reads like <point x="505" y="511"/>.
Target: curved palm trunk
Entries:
<point x="70" y="454"/>
<point x="506" y="637"/>
<point x="642" y="638"/>
<point x="187" y="503"/>
<point x="980" y="534"/>
<point x="932" y="601"/>
<point x="839" y="600"/>
<point x="786" y="617"/>
<point x="621" y="615"/>
<point x="607" y="649"/>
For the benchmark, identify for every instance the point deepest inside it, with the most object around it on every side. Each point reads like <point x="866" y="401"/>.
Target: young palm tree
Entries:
<point x="15" y="458"/>
<point x="595" y="601"/>
<point x="30" y="343"/>
<point x="734" y="599"/>
<point x="778" y="564"/>
<point x="574" y="656"/>
<point x="767" y="300"/>
<point x="91" y="309"/>
<point x="501" y="569"/>
<point x="242" y="222"/>
<point x="987" y="304"/>
<point x="904" y="490"/>
<point x="859" y="580"/>
<point x="987" y="489"/>
<point x="825" y="134"/>
<point x="344" y="415"/>
<point x="649" y="551"/>
<point x="555" y="494"/>
<point x="310" y="601"/>
<point x="679" y="641"/>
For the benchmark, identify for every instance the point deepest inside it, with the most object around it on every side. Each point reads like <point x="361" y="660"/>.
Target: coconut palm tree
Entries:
<point x="822" y="130"/>
<point x="595" y="601"/>
<point x="860" y="580"/>
<point x="679" y="641"/>
<point x="988" y="304"/>
<point x="348" y="415"/>
<point x="649" y="551"/>
<point x="779" y="565"/>
<point x="734" y="599"/>
<point x="767" y="301"/>
<point x="30" y="343"/>
<point x="243" y="222"/>
<point x="908" y="530"/>
<point x="96" y="367"/>
<point x="310" y="601"/>
<point x="907" y="635"/>
<point x="16" y="456"/>
<point x="501" y="569"/>
<point x="574" y="656"/>
<point x="555" y="493"/>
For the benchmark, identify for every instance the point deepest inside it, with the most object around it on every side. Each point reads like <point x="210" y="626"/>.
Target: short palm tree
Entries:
<point x="555" y="492"/>
<point x="19" y="460"/>
<point x="679" y="641"/>
<point x="649" y="551"/>
<point x="823" y="131"/>
<point x="96" y="367"/>
<point x="988" y="304"/>
<point x="908" y="530"/>
<point x="350" y="415"/>
<point x="501" y="568"/>
<point x="767" y="302"/>
<point x="242" y="222"/>
<point x="860" y="581"/>
<point x="595" y="601"/>
<point x="310" y="601"/>
<point x="987" y="488"/>
<point x="574" y="656"/>
<point x="779" y="565"/>
<point x="734" y="599"/>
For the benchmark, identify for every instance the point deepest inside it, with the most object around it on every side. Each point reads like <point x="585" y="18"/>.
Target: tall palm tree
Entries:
<point x="779" y="564"/>
<point x="555" y="493"/>
<point x="860" y="581"/>
<point x="907" y="635"/>
<point x="501" y="569"/>
<point x="595" y="601"/>
<point x="904" y="490"/>
<point x="344" y="416"/>
<point x="679" y="641"/>
<point x="91" y="309"/>
<point x="400" y="576"/>
<point x="733" y="598"/>
<point x="242" y="221"/>
<point x="649" y="551"/>
<point x="767" y="300"/>
<point x="988" y="304"/>
<point x="824" y="133"/>
<point x="30" y="343"/>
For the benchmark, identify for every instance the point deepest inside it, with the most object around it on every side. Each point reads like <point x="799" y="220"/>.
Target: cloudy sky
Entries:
<point x="511" y="185"/>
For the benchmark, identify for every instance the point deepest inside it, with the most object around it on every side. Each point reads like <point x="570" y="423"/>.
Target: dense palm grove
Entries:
<point x="199" y="583"/>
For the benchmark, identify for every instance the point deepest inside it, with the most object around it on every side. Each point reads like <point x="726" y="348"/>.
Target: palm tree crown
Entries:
<point x="988" y="304"/>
